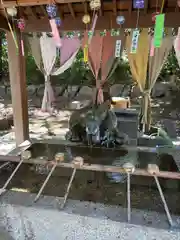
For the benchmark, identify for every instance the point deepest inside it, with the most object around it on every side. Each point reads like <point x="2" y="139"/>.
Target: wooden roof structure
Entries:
<point x="71" y="12"/>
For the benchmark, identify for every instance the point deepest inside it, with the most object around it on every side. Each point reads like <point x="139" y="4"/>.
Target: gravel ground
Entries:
<point x="4" y="235"/>
<point x="78" y="221"/>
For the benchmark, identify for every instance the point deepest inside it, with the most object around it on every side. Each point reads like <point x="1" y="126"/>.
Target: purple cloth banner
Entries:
<point x="68" y="48"/>
<point x="138" y="4"/>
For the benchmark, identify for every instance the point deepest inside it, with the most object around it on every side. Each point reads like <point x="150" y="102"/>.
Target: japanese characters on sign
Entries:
<point x="134" y="44"/>
<point x="138" y="4"/>
<point x="118" y="49"/>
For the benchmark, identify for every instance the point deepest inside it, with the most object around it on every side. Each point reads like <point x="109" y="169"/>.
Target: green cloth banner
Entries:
<point x="158" y="31"/>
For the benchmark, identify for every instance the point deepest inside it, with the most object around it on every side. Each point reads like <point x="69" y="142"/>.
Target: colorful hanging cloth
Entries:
<point x="101" y="58"/>
<point x="44" y="52"/>
<point x="69" y="47"/>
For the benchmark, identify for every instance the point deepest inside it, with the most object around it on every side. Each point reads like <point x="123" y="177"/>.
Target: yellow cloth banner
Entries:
<point x="138" y="61"/>
<point x="86" y="53"/>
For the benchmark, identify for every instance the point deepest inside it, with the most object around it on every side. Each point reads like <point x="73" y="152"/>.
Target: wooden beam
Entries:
<point x="21" y="13"/>
<point x="11" y="3"/>
<point x="146" y="3"/>
<point x="114" y="7"/>
<point x="71" y="24"/>
<point x="93" y="167"/>
<point x="130" y="6"/>
<point x="24" y="3"/>
<point x="85" y="7"/>
<point x="60" y="11"/>
<point x="101" y="9"/>
<point x="163" y="3"/>
<point x="71" y="10"/>
<point x="43" y="11"/>
<point x="18" y="88"/>
<point x="31" y="12"/>
<point x="3" y="23"/>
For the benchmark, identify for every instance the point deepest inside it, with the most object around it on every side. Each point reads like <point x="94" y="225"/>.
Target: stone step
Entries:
<point x="79" y="220"/>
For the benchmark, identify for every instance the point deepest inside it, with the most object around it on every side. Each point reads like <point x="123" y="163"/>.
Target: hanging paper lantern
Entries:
<point x="154" y="16"/>
<point x="51" y="10"/>
<point x="95" y="4"/>
<point x="12" y="11"/>
<point x="120" y="20"/>
<point x="58" y="21"/>
<point x="21" y="24"/>
<point x="86" y="19"/>
<point x="138" y="4"/>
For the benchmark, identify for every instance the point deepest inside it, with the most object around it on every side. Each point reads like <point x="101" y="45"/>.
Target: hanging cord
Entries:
<point x="21" y="37"/>
<point x="120" y="30"/>
<point x="129" y="197"/>
<point x="137" y="22"/>
<point x="119" y="27"/>
<point x="157" y="5"/>
<point x="162" y="6"/>
<point x="9" y="25"/>
<point x="94" y="20"/>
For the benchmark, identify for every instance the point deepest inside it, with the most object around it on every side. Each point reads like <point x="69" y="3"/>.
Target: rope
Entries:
<point x="129" y="196"/>
<point x="138" y="12"/>
<point x="156" y="5"/>
<point x="9" y="25"/>
<point x="162" y="6"/>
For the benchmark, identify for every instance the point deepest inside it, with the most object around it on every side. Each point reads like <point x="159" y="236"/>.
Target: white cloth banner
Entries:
<point x="44" y="51"/>
<point x="48" y="53"/>
<point x="66" y="65"/>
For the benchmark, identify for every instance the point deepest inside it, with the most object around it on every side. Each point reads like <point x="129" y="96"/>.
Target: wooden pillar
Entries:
<point x="17" y="75"/>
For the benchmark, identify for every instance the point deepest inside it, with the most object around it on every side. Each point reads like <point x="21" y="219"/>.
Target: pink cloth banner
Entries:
<point x="68" y="48"/>
<point x="152" y="48"/>
<point x="22" y="46"/>
<point x="55" y="32"/>
<point x="93" y="28"/>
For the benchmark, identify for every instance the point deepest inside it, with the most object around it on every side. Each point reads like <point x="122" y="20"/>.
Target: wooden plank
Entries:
<point x="106" y="6"/>
<point x="11" y="3"/>
<point x="3" y="23"/>
<point x="115" y="7"/>
<point x="85" y="4"/>
<point x="71" y="10"/>
<point x="22" y="13"/>
<point x="18" y="89"/>
<point x="101" y="9"/>
<point x="120" y="4"/>
<point x="60" y="11"/>
<point x="146" y="6"/>
<point x="31" y="12"/>
<point x="20" y="149"/>
<point x="97" y="167"/>
<point x="71" y="24"/>
<point x="42" y="12"/>
<point x="130" y="7"/>
<point x="132" y="148"/>
<point x="24" y="3"/>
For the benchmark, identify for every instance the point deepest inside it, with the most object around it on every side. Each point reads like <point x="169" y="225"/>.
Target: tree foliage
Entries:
<point x="170" y="67"/>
